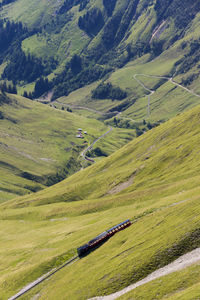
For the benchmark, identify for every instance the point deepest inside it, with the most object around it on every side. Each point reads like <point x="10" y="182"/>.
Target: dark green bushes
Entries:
<point x="109" y="6"/>
<point x="92" y="21"/>
<point x="108" y="91"/>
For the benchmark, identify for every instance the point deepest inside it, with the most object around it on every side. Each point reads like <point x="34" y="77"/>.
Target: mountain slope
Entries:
<point x="38" y="144"/>
<point x="153" y="180"/>
<point x="125" y="30"/>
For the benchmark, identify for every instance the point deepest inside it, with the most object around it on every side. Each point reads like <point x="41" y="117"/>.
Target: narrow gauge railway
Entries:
<point x="101" y="238"/>
<point x="82" y="251"/>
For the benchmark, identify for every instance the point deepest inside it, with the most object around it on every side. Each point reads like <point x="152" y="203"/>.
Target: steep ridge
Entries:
<point x="162" y="200"/>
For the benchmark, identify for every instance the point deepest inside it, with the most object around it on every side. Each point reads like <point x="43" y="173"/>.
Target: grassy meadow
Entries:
<point x="167" y="101"/>
<point x="157" y="190"/>
<point x="180" y="285"/>
<point x="152" y="180"/>
<point x="37" y="141"/>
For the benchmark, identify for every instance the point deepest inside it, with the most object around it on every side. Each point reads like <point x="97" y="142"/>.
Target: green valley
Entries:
<point x="161" y="198"/>
<point x="39" y="146"/>
<point x="99" y="123"/>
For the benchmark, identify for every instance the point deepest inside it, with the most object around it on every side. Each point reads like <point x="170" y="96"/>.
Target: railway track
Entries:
<point x="41" y="279"/>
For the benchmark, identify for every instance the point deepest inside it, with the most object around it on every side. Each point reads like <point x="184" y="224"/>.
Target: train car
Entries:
<point x="101" y="238"/>
<point x="119" y="227"/>
<point x="92" y="244"/>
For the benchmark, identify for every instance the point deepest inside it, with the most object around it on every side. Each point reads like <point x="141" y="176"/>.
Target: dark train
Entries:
<point x="101" y="238"/>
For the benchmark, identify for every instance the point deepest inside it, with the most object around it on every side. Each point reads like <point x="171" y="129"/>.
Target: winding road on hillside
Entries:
<point x="182" y="262"/>
<point x="85" y="108"/>
<point x="83" y="153"/>
<point x="170" y="79"/>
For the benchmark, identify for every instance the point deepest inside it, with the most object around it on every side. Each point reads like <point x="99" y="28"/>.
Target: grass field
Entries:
<point x="167" y="101"/>
<point x="162" y="201"/>
<point x="180" y="285"/>
<point x="153" y="180"/>
<point x="64" y="38"/>
<point x="40" y="140"/>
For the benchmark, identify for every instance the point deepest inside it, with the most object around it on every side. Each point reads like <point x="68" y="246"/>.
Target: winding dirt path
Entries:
<point x="182" y="262"/>
<point x="152" y="91"/>
<point x="85" y="108"/>
<point x="147" y="89"/>
<point x="83" y="153"/>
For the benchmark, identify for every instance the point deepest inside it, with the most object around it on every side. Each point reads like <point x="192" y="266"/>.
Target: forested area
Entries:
<point x="22" y="67"/>
<point x="5" y="2"/>
<point x="92" y="21"/>
<point x="10" y="32"/>
<point x="112" y="26"/>
<point x="108" y="91"/>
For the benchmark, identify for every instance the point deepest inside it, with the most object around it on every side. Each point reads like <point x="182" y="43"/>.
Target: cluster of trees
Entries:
<point x="8" y="88"/>
<point x="76" y="64"/>
<point x="68" y="4"/>
<point x="77" y="74"/>
<point x="92" y="21"/>
<point x="115" y="29"/>
<point x="189" y="60"/>
<point x="5" y="2"/>
<point x="70" y="80"/>
<point x="157" y="47"/>
<point x="182" y="11"/>
<point x="139" y="127"/>
<point x="96" y="152"/>
<point x="189" y="79"/>
<point x="110" y="30"/>
<point x="83" y="4"/>
<point x="22" y="67"/>
<point x="67" y="109"/>
<point x="109" y="6"/>
<point x="42" y="86"/>
<point x="108" y="91"/>
<point x="10" y="31"/>
<point x="28" y="95"/>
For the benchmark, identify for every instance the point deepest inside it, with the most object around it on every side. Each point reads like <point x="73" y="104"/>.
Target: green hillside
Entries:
<point x="154" y="181"/>
<point x="124" y="73"/>
<point x="38" y="144"/>
<point x="137" y="36"/>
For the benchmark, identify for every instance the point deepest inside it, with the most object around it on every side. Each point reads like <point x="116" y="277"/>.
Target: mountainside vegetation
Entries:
<point x="38" y="144"/>
<point x="154" y="181"/>
<point x="106" y="35"/>
<point x="99" y="123"/>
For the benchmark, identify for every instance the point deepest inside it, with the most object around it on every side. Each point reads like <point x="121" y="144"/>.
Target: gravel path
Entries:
<point x="170" y="79"/>
<point x="83" y="154"/>
<point x="179" y="264"/>
<point x="166" y="78"/>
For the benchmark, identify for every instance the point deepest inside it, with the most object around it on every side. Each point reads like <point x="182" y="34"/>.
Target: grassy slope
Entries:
<point x="182" y="285"/>
<point x="37" y="139"/>
<point x="20" y="11"/>
<point x="166" y="102"/>
<point x="60" y="45"/>
<point x="163" y="200"/>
